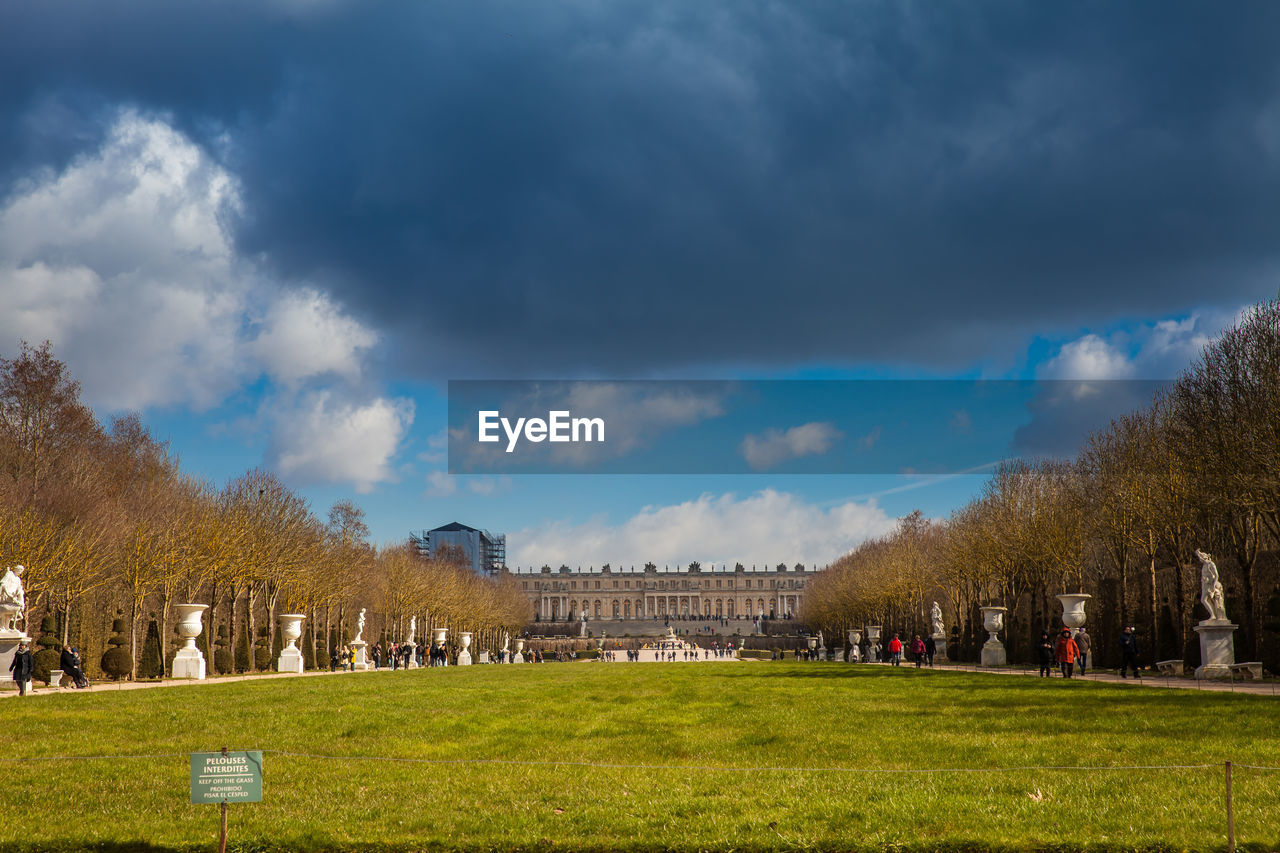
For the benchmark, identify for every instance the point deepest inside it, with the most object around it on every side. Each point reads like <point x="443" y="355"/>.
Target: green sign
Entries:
<point x="235" y="777"/>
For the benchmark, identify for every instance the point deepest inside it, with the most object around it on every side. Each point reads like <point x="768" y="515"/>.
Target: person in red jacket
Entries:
<point x="917" y="650"/>
<point x="1066" y="652"/>
<point x="895" y="651"/>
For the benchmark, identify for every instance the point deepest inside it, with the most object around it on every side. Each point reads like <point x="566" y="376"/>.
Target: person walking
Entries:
<point x="1129" y="653"/>
<point x="1066" y="652"/>
<point x="1083" y="642"/>
<point x="22" y="665"/>
<point x="917" y="651"/>
<point x="930" y="649"/>
<point x="1046" y="650"/>
<point x="895" y="651"/>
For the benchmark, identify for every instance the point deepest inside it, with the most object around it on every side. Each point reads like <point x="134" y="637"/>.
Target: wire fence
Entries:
<point x="1226" y="768"/>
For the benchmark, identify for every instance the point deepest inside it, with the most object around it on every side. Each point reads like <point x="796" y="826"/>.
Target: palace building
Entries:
<point x="690" y="592"/>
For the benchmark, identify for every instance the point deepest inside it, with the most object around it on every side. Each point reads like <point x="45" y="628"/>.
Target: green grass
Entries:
<point x="731" y="756"/>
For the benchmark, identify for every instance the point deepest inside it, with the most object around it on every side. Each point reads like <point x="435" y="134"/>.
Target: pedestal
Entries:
<point x="1217" y="650"/>
<point x="9" y="640"/>
<point x="940" y="647"/>
<point x="189" y="663"/>
<point x="189" y="660"/>
<point x="413" y="655"/>
<point x="359" y="656"/>
<point x="290" y="660"/>
<point x="993" y="653"/>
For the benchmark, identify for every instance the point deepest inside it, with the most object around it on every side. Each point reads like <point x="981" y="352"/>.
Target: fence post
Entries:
<point x="1231" y="815"/>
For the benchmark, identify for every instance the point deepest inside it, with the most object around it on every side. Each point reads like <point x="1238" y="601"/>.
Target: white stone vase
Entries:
<point x="464" y="656"/>
<point x="873" y="633"/>
<point x="519" y="656"/>
<point x="189" y="661"/>
<point x="290" y="659"/>
<point x="813" y="642"/>
<point x="993" y="653"/>
<point x="1073" y="615"/>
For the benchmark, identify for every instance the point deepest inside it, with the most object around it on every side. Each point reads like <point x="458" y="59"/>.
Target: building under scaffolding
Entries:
<point x="483" y="552"/>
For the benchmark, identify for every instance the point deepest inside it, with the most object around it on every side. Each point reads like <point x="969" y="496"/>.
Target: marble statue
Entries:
<point x="413" y="628"/>
<point x="582" y="626"/>
<point x="1211" y="588"/>
<point x="360" y="627"/>
<point x="13" y="598"/>
<point x="506" y="641"/>
<point x="935" y="615"/>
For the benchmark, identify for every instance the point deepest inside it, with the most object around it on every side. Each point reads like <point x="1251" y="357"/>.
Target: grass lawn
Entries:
<point x="739" y="756"/>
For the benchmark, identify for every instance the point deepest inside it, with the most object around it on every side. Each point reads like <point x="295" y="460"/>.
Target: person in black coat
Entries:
<point x="1129" y="653"/>
<point x="1045" y="649"/>
<point x="69" y="663"/>
<point x="22" y="665"/>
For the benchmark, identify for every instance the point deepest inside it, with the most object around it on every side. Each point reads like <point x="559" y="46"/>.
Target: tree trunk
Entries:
<point x="164" y="622"/>
<point x="1154" y="607"/>
<point x="231" y="626"/>
<point x="133" y="638"/>
<point x="253" y="635"/>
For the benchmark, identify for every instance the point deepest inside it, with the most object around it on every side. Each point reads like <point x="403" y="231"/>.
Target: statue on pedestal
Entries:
<point x="13" y="598"/>
<point x="1211" y="588"/>
<point x="413" y="628"/>
<point x="360" y="627"/>
<point x="935" y="616"/>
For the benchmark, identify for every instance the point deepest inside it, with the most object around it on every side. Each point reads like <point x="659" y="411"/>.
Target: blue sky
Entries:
<point x="278" y="229"/>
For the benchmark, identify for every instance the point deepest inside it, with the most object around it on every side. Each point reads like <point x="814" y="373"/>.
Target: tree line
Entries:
<point x="1197" y="467"/>
<point x="111" y="529"/>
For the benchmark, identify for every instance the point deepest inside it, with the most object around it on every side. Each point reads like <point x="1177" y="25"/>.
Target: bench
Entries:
<point x="1170" y="667"/>
<point x="1249" y="669"/>
<point x="55" y="678"/>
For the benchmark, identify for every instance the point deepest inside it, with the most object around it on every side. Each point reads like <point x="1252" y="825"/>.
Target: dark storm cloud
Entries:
<point x="614" y="188"/>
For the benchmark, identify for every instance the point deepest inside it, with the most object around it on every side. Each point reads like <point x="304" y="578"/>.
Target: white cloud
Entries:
<point x="1159" y="350"/>
<point x="124" y="260"/>
<point x="304" y="334"/>
<point x="325" y="439"/>
<point x="441" y="484"/>
<point x="768" y="527"/>
<point x="1089" y="357"/>
<point x="775" y="446"/>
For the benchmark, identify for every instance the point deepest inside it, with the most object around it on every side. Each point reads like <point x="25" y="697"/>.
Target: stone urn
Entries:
<point x="813" y="643"/>
<point x="189" y="661"/>
<point x="519" y="656"/>
<point x="1073" y="609"/>
<point x="873" y="633"/>
<point x="464" y="656"/>
<point x="855" y="645"/>
<point x="290" y="659"/>
<point x="992" y="650"/>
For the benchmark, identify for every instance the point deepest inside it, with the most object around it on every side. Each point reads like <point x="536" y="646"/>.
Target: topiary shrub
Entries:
<point x="242" y="650"/>
<point x="150" y="665"/>
<point x="117" y="662"/>
<point x="222" y="661"/>
<point x="262" y="651"/>
<point x="47" y="659"/>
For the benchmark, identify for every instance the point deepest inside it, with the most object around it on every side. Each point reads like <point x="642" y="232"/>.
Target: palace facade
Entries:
<point x="691" y="592"/>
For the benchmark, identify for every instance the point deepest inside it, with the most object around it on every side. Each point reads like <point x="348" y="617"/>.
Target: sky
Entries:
<point x="280" y="229"/>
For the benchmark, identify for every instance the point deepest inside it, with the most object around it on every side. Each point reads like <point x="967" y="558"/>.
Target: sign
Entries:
<point x="232" y="777"/>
